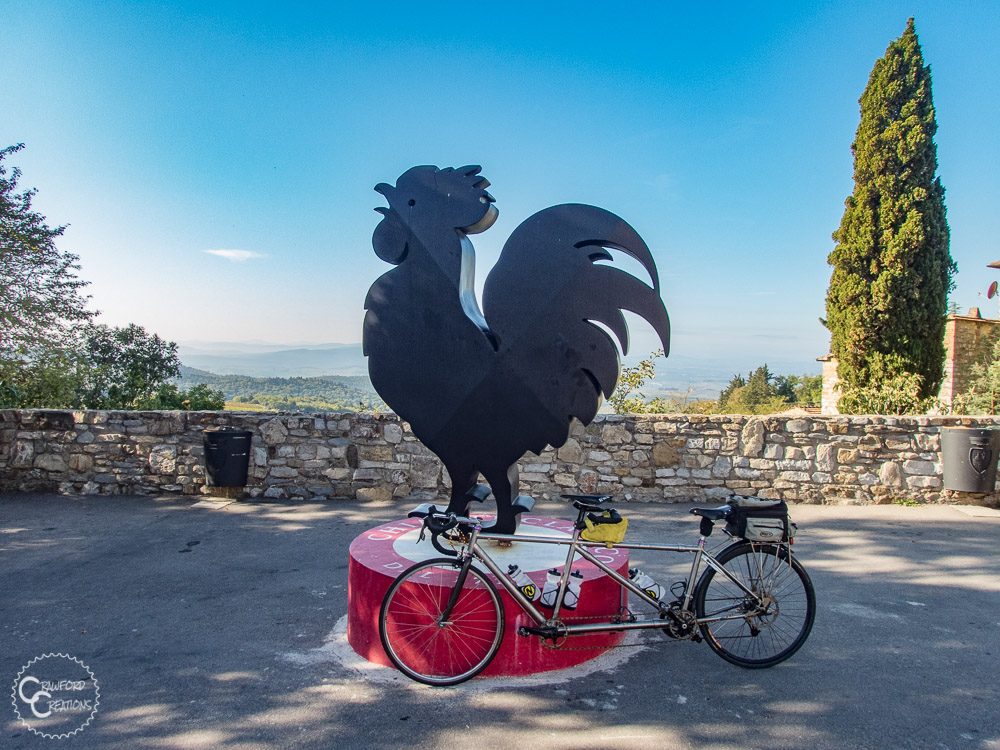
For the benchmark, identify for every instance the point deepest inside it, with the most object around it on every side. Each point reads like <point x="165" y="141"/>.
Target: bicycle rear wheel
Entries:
<point x="748" y="633"/>
<point x="420" y="644"/>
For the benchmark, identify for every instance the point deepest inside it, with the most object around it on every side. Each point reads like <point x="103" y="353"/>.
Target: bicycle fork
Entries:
<point x="444" y="619"/>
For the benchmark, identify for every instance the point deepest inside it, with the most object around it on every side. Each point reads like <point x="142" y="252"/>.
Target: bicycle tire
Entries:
<point x="757" y="639"/>
<point x="436" y="654"/>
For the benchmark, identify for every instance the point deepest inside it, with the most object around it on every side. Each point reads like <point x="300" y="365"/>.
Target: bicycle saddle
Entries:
<point x="713" y="514"/>
<point x="588" y="502"/>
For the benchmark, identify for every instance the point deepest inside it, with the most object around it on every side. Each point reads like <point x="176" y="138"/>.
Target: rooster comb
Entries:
<point x="429" y="176"/>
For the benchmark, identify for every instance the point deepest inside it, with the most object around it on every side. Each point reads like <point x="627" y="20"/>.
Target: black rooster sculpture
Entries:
<point x="481" y="390"/>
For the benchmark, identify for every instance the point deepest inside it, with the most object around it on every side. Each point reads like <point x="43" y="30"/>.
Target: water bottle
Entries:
<point x="523" y="582"/>
<point x="551" y="588"/>
<point x="646" y="583"/>
<point x="572" y="597"/>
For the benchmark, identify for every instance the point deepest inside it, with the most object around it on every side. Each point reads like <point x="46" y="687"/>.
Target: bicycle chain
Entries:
<point x="552" y="645"/>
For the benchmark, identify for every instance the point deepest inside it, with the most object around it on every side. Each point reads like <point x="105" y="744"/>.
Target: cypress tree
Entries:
<point x="892" y="270"/>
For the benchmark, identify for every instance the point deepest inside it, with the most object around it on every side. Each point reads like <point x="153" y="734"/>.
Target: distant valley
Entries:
<point x="321" y="377"/>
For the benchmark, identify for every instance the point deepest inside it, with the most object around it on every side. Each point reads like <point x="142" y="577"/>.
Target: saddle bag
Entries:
<point x="759" y="520"/>
<point x="608" y="527"/>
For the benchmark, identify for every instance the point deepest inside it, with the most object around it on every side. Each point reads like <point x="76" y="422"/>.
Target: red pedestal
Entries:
<point x="380" y="554"/>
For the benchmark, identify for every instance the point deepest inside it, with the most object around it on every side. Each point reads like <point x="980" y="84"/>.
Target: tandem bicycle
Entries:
<point x="442" y="620"/>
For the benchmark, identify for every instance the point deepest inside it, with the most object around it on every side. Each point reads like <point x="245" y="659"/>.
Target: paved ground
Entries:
<point x="214" y="626"/>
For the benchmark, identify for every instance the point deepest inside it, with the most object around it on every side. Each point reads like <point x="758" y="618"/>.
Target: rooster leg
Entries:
<point x="504" y="485"/>
<point x="463" y="481"/>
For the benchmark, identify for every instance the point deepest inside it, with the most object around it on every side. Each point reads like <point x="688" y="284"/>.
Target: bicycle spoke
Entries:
<point x="432" y="650"/>
<point x="775" y="619"/>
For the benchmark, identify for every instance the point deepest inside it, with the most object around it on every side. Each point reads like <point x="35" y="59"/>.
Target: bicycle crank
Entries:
<point x="682" y="624"/>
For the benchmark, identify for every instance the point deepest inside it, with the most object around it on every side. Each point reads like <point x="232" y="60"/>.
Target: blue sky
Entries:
<point x="160" y="131"/>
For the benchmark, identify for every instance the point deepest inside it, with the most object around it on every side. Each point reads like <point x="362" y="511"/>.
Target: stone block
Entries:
<point x="305" y="451"/>
<point x="793" y="465"/>
<point x="825" y="458"/>
<point x="392" y="433"/>
<point x="615" y="434"/>
<point x="794" y="476"/>
<point x="81" y="462"/>
<point x="919" y="467"/>
<point x="722" y="466"/>
<point x="274" y="431"/>
<point x="847" y="455"/>
<point x="891" y="474"/>
<point x="752" y="437"/>
<point x="50" y="462"/>
<point x="798" y="425"/>
<point x="163" y="459"/>
<point x="870" y="444"/>
<point x="23" y="455"/>
<point x="425" y="472"/>
<point x="665" y="455"/>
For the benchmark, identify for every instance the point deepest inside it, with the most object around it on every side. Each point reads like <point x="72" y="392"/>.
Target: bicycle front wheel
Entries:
<point x="761" y="630"/>
<point x="421" y="642"/>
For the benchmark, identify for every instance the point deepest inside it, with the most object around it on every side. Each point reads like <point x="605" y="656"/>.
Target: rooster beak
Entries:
<point x="384" y="189"/>
<point x="382" y="210"/>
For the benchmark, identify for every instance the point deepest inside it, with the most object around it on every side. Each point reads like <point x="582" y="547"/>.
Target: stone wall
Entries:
<point x="649" y="458"/>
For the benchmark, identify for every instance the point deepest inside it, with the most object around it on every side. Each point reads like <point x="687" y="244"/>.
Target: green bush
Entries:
<point x="897" y="395"/>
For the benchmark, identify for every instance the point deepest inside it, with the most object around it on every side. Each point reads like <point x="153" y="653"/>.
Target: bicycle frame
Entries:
<point x="578" y="547"/>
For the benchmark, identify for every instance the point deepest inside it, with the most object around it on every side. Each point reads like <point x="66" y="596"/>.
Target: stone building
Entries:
<point x="968" y="339"/>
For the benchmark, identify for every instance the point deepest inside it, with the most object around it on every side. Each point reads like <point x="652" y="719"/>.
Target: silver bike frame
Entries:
<point x="580" y="547"/>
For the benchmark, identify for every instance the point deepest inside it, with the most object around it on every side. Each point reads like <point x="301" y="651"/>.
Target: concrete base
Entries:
<point x="380" y="554"/>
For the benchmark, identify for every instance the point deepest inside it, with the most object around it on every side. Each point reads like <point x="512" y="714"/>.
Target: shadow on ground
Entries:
<point x="196" y="618"/>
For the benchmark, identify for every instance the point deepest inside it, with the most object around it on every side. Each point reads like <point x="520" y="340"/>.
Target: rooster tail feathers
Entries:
<point x="605" y="229"/>
<point x="557" y="310"/>
<point x="625" y="292"/>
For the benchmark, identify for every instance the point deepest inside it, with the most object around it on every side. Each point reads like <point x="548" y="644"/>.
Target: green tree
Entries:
<point x="892" y="270"/>
<point x="199" y="398"/>
<point x="736" y="382"/>
<point x="126" y="367"/>
<point x="806" y="390"/>
<point x="627" y="397"/>
<point x="42" y="303"/>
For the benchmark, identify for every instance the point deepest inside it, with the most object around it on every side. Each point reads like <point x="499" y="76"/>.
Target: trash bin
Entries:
<point x="227" y="455"/>
<point x="969" y="456"/>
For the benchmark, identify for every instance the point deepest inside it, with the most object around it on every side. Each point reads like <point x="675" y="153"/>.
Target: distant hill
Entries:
<point x="264" y="361"/>
<point x="328" y="393"/>
<point x="339" y="372"/>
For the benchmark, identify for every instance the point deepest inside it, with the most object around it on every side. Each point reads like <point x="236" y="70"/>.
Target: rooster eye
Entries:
<point x="411" y="202"/>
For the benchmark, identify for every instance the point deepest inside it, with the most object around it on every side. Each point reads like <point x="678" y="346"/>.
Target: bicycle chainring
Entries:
<point x="681" y="624"/>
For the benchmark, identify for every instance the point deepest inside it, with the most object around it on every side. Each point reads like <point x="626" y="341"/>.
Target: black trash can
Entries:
<point x="227" y="455"/>
<point x="969" y="455"/>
